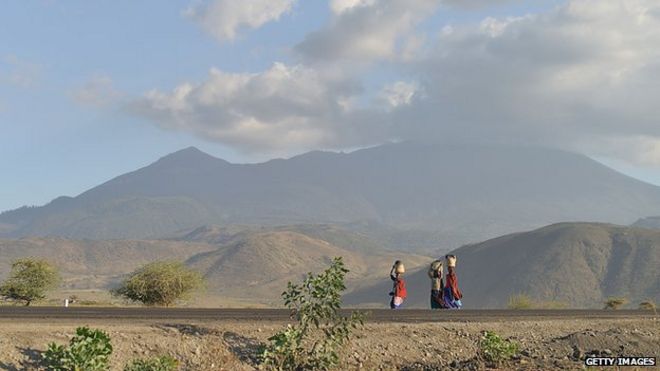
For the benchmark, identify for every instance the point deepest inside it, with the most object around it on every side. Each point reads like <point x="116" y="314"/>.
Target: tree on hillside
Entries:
<point x="29" y="280"/>
<point x="160" y="283"/>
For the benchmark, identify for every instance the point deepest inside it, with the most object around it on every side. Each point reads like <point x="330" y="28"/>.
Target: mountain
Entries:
<point x="257" y="266"/>
<point x="580" y="264"/>
<point x="652" y="222"/>
<point x="404" y="195"/>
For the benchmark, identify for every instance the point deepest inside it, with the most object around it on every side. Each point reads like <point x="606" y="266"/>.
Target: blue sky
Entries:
<point x="76" y="77"/>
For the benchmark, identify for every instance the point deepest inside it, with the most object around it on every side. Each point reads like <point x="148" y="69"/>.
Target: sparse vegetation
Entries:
<point x="615" y="303"/>
<point x="648" y="305"/>
<point x="520" y="301"/>
<point x="552" y="304"/>
<point x="162" y="363"/>
<point x="495" y="349"/>
<point x="159" y="283"/>
<point x="314" y="342"/>
<point x="88" y="350"/>
<point x="30" y="279"/>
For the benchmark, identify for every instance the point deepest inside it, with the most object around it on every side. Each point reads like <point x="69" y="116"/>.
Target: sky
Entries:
<point x="91" y="90"/>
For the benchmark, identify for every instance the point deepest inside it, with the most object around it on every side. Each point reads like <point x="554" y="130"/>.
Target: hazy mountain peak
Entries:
<point x="190" y="155"/>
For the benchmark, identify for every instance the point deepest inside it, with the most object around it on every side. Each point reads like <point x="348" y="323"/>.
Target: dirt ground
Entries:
<point x="226" y="345"/>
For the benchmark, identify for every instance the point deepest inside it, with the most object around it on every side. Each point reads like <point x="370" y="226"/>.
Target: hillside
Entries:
<point x="651" y="222"/>
<point x="249" y="267"/>
<point x="95" y="264"/>
<point x="577" y="263"/>
<point x="333" y="234"/>
<point x="405" y="196"/>
<point x="257" y="266"/>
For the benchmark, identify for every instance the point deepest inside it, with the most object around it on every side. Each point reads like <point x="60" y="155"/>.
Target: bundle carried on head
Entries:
<point x="435" y="270"/>
<point x="451" y="260"/>
<point x="399" y="268"/>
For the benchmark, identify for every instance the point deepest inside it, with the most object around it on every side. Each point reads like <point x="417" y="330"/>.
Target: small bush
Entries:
<point x="495" y="349"/>
<point x="29" y="280"/>
<point x="88" y="350"/>
<point x="314" y="342"/>
<point x="648" y="305"/>
<point x="163" y="363"/>
<point x="520" y="301"/>
<point x="159" y="283"/>
<point x="615" y="303"/>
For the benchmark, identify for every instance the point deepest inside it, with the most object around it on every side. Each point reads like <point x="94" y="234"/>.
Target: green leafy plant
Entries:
<point x="315" y="340"/>
<point x="520" y="301"/>
<point x="29" y="280"/>
<point x="162" y="363"/>
<point x="88" y="350"/>
<point x="615" y="303"/>
<point x="495" y="349"/>
<point x="159" y="283"/>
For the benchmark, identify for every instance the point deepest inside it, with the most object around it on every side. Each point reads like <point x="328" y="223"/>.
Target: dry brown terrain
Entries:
<point x="231" y="345"/>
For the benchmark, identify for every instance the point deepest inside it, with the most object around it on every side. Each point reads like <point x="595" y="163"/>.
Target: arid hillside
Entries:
<point x="241" y="266"/>
<point x="579" y="264"/>
<point x="257" y="266"/>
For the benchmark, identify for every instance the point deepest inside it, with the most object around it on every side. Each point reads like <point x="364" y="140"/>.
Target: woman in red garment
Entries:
<point x="399" y="292"/>
<point x="452" y="293"/>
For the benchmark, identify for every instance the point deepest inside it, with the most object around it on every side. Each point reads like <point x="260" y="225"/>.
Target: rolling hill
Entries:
<point x="650" y="222"/>
<point x="257" y="266"/>
<point x="87" y="264"/>
<point x="580" y="264"/>
<point x="249" y="267"/>
<point x="404" y="196"/>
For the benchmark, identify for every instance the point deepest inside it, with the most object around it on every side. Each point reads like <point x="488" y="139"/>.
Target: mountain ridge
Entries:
<point x="409" y="193"/>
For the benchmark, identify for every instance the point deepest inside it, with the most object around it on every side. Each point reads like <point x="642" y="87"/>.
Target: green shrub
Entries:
<point x="495" y="349"/>
<point x="29" y="280"/>
<point x="520" y="301"/>
<point x="314" y="341"/>
<point x="615" y="303"/>
<point x="162" y="363"/>
<point x="88" y="350"/>
<point x="159" y="283"/>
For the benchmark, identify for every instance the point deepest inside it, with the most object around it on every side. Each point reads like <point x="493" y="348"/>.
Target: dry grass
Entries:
<point x="520" y="301"/>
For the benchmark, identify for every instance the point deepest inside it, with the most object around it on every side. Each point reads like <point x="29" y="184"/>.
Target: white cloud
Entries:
<point x="585" y="72"/>
<point x="97" y="91"/>
<point x="225" y="18"/>
<point x="399" y="93"/>
<point x="365" y="30"/>
<point x="341" y="6"/>
<point x="582" y="76"/>
<point x="285" y="108"/>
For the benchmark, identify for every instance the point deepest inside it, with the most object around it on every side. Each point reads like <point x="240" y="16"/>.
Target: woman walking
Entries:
<point x="399" y="286"/>
<point x="435" y="274"/>
<point x="452" y="294"/>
